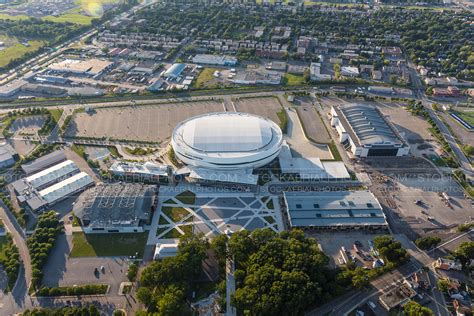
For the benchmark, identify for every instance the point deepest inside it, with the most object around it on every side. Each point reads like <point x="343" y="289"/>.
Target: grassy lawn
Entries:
<point x="466" y="116"/>
<point x="293" y="80"/>
<point x="75" y="18"/>
<point x="4" y="16"/>
<point x="175" y="213"/>
<point x="283" y="117"/>
<point x="56" y="114"/>
<point x="17" y="50"/>
<point x="206" y="75"/>
<point x="108" y="245"/>
<point x="186" y="197"/>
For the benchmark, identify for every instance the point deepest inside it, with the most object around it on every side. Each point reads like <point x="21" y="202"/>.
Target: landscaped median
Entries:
<point x="92" y="289"/>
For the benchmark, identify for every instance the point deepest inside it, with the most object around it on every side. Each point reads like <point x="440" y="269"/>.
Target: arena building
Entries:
<point x="365" y="132"/>
<point x="227" y="141"/>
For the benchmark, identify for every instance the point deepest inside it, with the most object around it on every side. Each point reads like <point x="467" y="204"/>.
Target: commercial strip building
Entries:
<point x="11" y="88"/>
<point x="117" y="207"/>
<point x="147" y="171"/>
<point x="334" y="210"/>
<point x="8" y="155"/>
<point x="218" y="60"/>
<point x="365" y="132"/>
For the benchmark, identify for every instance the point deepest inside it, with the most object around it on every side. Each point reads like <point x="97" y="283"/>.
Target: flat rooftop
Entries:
<point x="52" y="174"/>
<point x="367" y="125"/>
<point x="92" y="66"/>
<point x="116" y="205"/>
<point x="334" y="209"/>
<point x="43" y="162"/>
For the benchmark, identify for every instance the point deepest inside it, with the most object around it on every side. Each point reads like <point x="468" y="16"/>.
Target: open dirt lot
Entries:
<point x="266" y="107"/>
<point x="152" y="123"/>
<point x="313" y="125"/>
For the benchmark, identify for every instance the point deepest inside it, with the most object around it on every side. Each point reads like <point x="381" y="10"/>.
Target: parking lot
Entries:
<point x="153" y="123"/>
<point x="28" y="125"/>
<point x="331" y="242"/>
<point x="313" y="125"/>
<point x="267" y="107"/>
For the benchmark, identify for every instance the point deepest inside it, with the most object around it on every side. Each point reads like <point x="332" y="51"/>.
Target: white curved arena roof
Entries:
<point x="227" y="133"/>
<point x="226" y="139"/>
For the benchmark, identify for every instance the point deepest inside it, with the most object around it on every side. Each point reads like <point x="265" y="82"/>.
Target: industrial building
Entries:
<point x="334" y="210"/>
<point x="43" y="162"/>
<point x="90" y="67"/>
<point x="8" y="155"/>
<point x="117" y="207"/>
<point x="147" y="171"/>
<point x="11" y="88"/>
<point x="218" y="60"/>
<point x="174" y="71"/>
<point x="311" y="168"/>
<point x="50" y="180"/>
<point x="365" y="132"/>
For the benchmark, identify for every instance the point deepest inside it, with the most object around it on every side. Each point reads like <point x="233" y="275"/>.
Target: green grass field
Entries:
<point x="56" y="114"/>
<point x="466" y="116"/>
<point x="206" y="75"/>
<point x="4" y="16"/>
<point x="175" y="213"/>
<point x="108" y="245"/>
<point x="293" y="80"/>
<point x="75" y="18"/>
<point x="17" y="50"/>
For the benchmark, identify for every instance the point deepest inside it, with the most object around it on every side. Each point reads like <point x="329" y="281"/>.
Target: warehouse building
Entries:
<point x="218" y="60"/>
<point x="338" y="210"/>
<point x="8" y="155"/>
<point x="116" y="208"/>
<point x="11" y="88"/>
<point x="46" y="177"/>
<point x="89" y="67"/>
<point x="43" y="162"/>
<point x="365" y="132"/>
<point x="50" y="179"/>
<point x="174" y="71"/>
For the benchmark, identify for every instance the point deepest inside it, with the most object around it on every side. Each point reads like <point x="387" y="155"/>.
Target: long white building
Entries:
<point x="227" y="141"/>
<point x="365" y="132"/>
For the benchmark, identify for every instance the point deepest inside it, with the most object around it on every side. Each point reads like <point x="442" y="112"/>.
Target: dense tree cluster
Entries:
<point x="36" y="28"/>
<point x="390" y="250"/>
<point x="70" y="311"/>
<point x="277" y="274"/>
<point x="427" y="242"/>
<point x="165" y="284"/>
<point x="41" y="243"/>
<point x="414" y="309"/>
<point x="465" y="252"/>
<point x="11" y="262"/>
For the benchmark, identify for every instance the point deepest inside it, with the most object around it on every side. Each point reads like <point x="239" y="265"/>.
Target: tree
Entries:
<point x="172" y="302"/>
<point x="412" y="308"/>
<point x="465" y="252"/>
<point x="427" y="242"/>
<point x="390" y="250"/>
<point x="306" y="75"/>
